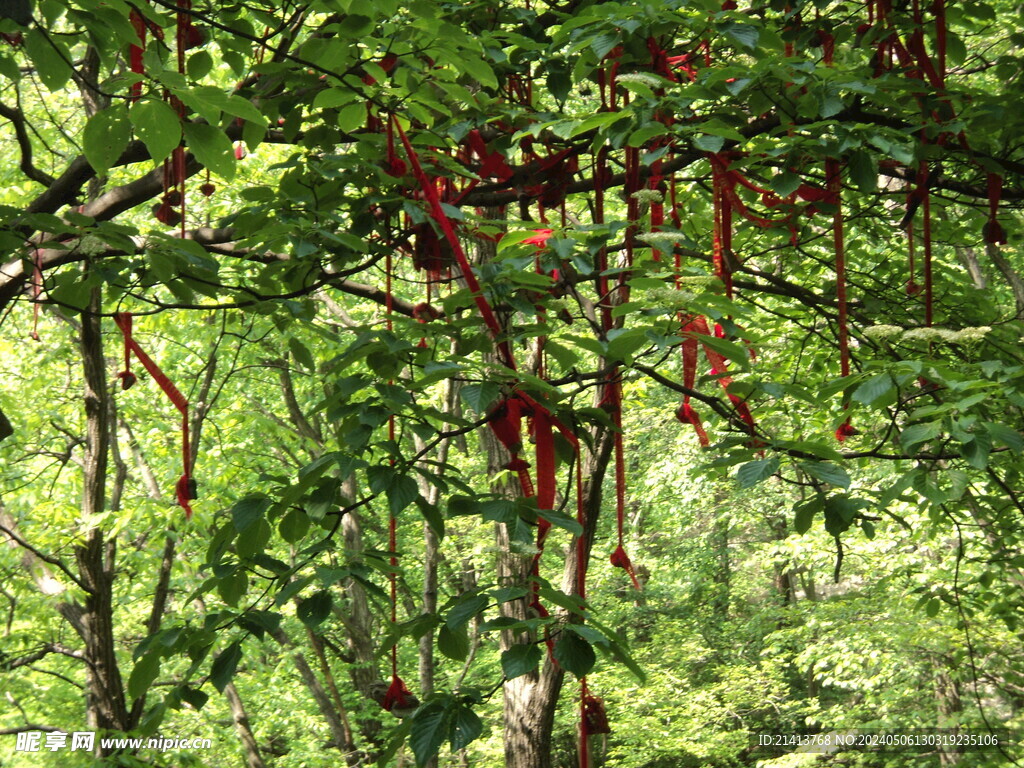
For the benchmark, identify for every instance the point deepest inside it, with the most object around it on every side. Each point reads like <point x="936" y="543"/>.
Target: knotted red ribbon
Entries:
<point x="595" y="719"/>
<point x="398" y="696"/>
<point x="993" y="231"/>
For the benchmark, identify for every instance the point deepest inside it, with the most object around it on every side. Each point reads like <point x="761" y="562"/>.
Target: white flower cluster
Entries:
<point x="663" y="240"/>
<point x="894" y="332"/>
<point x="883" y="332"/>
<point x="642" y="78"/>
<point x="670" y="298"/>
<point x="648" y="196"/>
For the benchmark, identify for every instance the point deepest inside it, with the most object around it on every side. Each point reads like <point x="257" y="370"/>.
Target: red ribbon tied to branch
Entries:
<point x="185" y="488"/>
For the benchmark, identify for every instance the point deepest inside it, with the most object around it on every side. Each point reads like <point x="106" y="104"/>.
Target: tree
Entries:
<point x="441" y="220"/>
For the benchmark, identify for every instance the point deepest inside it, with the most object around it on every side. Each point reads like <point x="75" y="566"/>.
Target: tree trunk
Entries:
<point x="358" y="621"/>
<point x="107" y="710"/>
<point x="947" y="698"/>
<point x="530" y="700"/>
<point x="240" y="718"/>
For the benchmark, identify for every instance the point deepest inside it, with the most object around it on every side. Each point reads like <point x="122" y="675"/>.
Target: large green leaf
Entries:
<point x="520" y="660"/>
<point x="212" y="148"/>
<point x="429" y="730"/>
<point x="105" y="137"/>
<point x="50" y="57"/>
<point x="143" y="674"/>
<point x="574" y="653"/>
<point x="754" y="472"/>
<point x="314" y="610"/>
<point x="223" y="669"/>
<point x="157" y="126"/>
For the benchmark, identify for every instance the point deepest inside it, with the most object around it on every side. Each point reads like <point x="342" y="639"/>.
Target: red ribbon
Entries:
<point x="697" y="327"/>
<point x="185" y="490"/>
<point x="398" y="695"/>
<point x="439" y="216"/>
<point x="993" y="231"/>
<point x="136" y="52"/>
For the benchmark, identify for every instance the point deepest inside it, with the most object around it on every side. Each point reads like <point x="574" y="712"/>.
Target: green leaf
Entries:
<point x="105" y="137"/>
<point x="143" y="674"/>
<point x="291" y="589"/>
<point x="735" y="353"/>
<point x="212" y="148"/>
<point x="804" y="514"/>
<point x="194" y="697"/>
<point x="873" y="389"/>
<point x="914" y="436"/>
<point x="453" y="643"/>
<point x="157" y="126"/>
<point x="401" y="492"/>
<point x="294" y="525"/>
<point x="352" y="117"/>
<point x="863" y="170"/>
<point x="223" y="669"/>
<point x="466" y="726"/>
<point x="840" y="512"/>
<point x="709" y="143"/>
<point x="563" y="521"/>
<point x="574" y="653"/>
<point x="642" y="136"/>
<point x="466" y="609"/>
<point x="429" y="730"/>
<point x="976" y="451"/>
<point x="354" y="25"/>
<point x="248" y="510"/>
<point x="754" y="472"/>
<point x="480" y="396"/>
<point x="479" y="70"/>
<point x="315" y="609"/>
<point x="1008" y="436"/>
<point x="603" y="44"/>
<point x="520" y="660"/>
<point x="232" y="586"/>
<point x="744" y="34"/>
<point x="199" y="65"/>
<point x="255" y="540"/>
<point x="51" y="59"/>
<point x="827" y="473"/>
<point x="301" y="354"/>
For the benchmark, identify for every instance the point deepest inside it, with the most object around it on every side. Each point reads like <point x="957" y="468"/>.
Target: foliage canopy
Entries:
<point x="734" y="288"/>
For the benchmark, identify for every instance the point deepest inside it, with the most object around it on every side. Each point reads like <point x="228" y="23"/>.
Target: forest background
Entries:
<point x="511" y="384"/>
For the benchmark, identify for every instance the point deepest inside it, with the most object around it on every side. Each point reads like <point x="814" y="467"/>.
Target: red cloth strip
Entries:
<point x="430" y="193"/>
<point x="185" y="489"/>
<point x="926" y="235"/>
<point x="993" y="232"/>
<point x="698" y="326"/>
<point x="136" y="52"/>
<point x="834" y="184"/>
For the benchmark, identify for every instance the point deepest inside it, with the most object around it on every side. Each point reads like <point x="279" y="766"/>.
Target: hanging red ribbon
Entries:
<point x="136" y="52"/>
<point x="926" y="235"/>
<point x="185" y="489"/>
<point x="993" y="232"/>
<point x="439" y="216"/>
<point x="697" y="328"/>
<point x="833" y="182"/>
